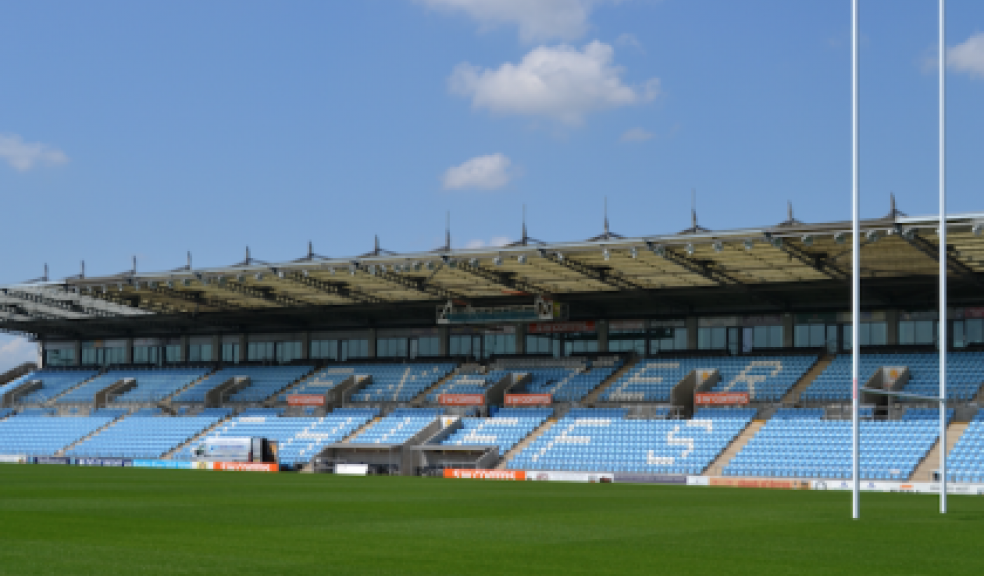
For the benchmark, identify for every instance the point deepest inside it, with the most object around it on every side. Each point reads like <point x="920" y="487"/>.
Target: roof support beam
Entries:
<point x="819" y="263"/>
<point x="720" y="277"/>
<point x="504" y="280"/>
<point x="233" y="285"/>
<point x="197" y="298"/>
<point x="344" y="291"/>
<point x="410" y="283"/>
<point x="952" y="264"/>
<point x="602" y="275"/>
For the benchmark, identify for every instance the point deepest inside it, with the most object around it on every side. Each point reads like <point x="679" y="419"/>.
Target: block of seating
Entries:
<point x="965" y="462"/>
<point x="565" y="384"/>
<point x="45" y="435"/>
<point x="398" y="426"/>
<point x="648" y="381"/>
<point x="398" y="382"/>
<point x="965" y="375"/>
<point x="764" y="378"/>
<point x="53" y="383"/>
<point x="265" y="381"/>
<point x="299" y="439"/>
<point x="506" y="429"/>
<point x="807" y="446"/>
<point x="604" y="440"/>
<point x="152" y="384"/>
<point x="143" y="435"/>
<point x="467" y="384"/>
<point x="320" y="382"/>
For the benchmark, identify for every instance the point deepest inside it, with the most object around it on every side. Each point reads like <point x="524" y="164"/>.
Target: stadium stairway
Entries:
<point x="421" y="398"/>
<point x="166" y="403"/>
<point x="980" y="396"/>
<point x="725" y="457"/>
<point x="195" y="438"/>
<point x="519" y="447"/>
<point x="51" y="401"/>
<point x="360" y="430"/>
<point x="931" y="462"/>
<point x="95" y="432"/>
<point x="593" y="396"/>
<point x="271" y="401"/>
<point x="793" y="396"/>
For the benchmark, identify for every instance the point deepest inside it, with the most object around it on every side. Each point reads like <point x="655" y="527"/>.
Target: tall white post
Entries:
<point x="856" y="267"/>
<point x="943" y="321"/>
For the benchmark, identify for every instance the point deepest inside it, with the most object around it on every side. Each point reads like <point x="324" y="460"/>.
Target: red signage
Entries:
<point x="973" y="312"/>
<point x="528" y="399"/>
<point x="305" y="400"/>
<point x="462" y="399"/>
<point x="721" y="398"/>
<point x="560" y="327"/>
<point x="485" y="474"/>
<point x="246" y="466"/>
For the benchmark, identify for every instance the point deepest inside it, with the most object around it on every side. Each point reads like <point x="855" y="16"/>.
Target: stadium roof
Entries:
<point x="787" y="267"/>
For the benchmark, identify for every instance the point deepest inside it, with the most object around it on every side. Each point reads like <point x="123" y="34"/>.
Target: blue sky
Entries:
<point x="152" y="129"/>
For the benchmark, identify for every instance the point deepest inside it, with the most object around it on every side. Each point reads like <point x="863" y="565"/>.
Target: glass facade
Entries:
<point x="200" y="353"/>
<point x="425" y="346"/>
<point x="324" y="350"/>
<point x="392" y="347"/>
<point x="968" y="332"/>
<point x="103" y="356"/>
<point x="62" y="357"/>
<point x="230" y="353"/>
<point x="917" y="332"/>
<point x="667" y="339"/>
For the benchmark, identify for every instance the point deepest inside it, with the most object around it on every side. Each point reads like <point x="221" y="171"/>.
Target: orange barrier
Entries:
<point x="528" y="399"/>
<point x="305" y="400"/>
<point x="761" y="483"/>
<point x="246" y="466"/>
<point x="721" y="398"/>
<point x="462" y="399"/>
<point x="484" y="474"/>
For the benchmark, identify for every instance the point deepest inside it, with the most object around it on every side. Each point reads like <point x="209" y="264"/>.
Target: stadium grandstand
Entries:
<point x="723" y="354"/>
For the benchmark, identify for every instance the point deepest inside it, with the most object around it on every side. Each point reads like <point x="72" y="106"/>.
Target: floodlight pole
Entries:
<point x="856" y="269"/>
<point x="943" y="324"/>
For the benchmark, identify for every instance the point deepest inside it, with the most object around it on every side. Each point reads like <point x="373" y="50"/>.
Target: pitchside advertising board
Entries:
<point x="232" y="448"/>
<point x="110" y="462"/>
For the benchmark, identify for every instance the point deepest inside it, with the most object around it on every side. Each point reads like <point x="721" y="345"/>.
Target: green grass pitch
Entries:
<point x="67" y="520"/>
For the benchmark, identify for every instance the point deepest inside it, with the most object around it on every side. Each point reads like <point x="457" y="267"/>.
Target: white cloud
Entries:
<point x="629" y="40"/>
<point x="483" y="172"/>
<point x="26" y="155"/>
<point x="636" y="135"/>
<point x="559" y="82"/>
<point x="14" y="351"/>
<point x="968" y="57"/>
<point x="536" y="19"/>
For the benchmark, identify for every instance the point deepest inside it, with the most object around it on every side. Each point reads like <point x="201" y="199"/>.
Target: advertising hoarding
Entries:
<point x="305" y="400"/>
<point x="720" y="398"/>
<point x="462" y="399"/>
<point x="528" y="399"/>
<point x="232" y="448"/>
<point x="485" y="474"/>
